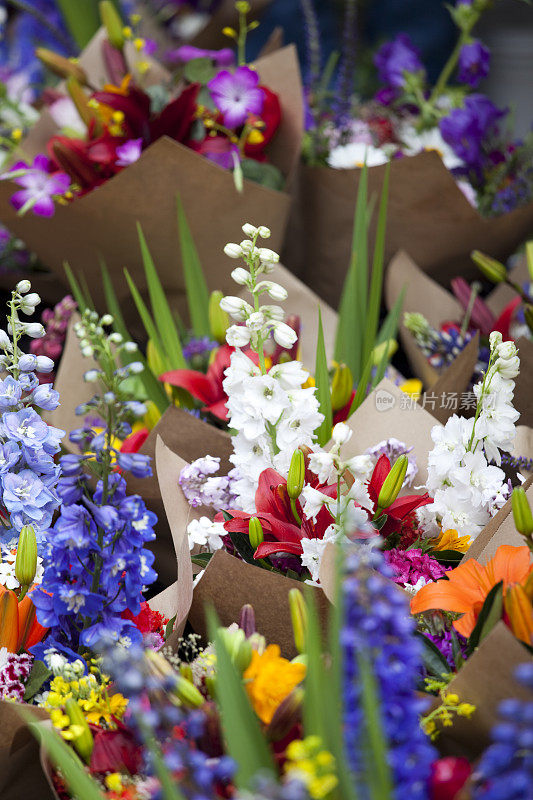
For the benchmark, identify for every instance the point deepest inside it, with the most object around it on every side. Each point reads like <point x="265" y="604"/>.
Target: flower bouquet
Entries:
<point x="181" y="144"/>
<point x="437" y="140"/>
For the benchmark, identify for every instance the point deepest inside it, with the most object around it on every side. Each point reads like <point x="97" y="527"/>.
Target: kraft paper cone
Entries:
<point x="485" y="680"/>
<point x="228" y="583"/>
<point x="500" y="530"/>
<point x="428" y="216"/>
<point x="523" y="446"/>
<point x="103" y="222"/>
<point x="211" y="36"/>
<point x="20" y="770"/>
<point x="452" y="383"/>
<point x="388" y="412"/>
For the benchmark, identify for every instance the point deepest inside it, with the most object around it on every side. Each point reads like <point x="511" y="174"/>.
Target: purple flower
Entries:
<point x="237" y="95"/>
<point x="25" y="426"/>
<point x="129" y="152"/>
<point x="26" y="494"/>
<point x="394" y="59"/>
<point x="473" y="64"/>
<point x="222" y="58"/>
<point x="39" y="186"/>
<point x="465" y="129"/>
<point x="46" y="397"/>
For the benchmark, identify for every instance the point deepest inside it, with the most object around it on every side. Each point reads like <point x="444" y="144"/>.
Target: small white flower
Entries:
<point x="23" y="287"/>
<point x="238" y="336"/>
<point x="314" y="500"/>
<point x="238" y="308"/>
<point x="241" y="276"/>
<point x="356" y="154"/>
<point x="233" y="250"/>
<point x="205" y="533"/>
<point x="341" y="434"/>
<point x="284" y="335"/>
<point x="264" y="232"/>
<point x="250" y="230"/>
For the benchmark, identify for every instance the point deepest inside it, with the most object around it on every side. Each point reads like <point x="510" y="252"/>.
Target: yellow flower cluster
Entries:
<point x="449" y="707"/>
<point x="308" y="762"/>
<point x="91" y="694"/>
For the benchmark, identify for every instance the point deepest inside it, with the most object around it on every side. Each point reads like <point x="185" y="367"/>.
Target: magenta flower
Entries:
<point x="237" y="95"/>
<point x="39" y="186"/>
<point x="186" y="53"/>
<point x="129" y="152"/>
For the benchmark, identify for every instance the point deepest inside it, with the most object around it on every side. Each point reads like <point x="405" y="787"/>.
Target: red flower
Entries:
<point x="207" y="387"/>
<point x="134" y="442"/>
<point x="147" y="620"/>
<point x="448" y="777"/>
<point x="280" y="528"/>
<point x="115" y="751"/>
<point x="503" y="323"/>
<point x="271" y="118"/>
<point x="401" y="509"/>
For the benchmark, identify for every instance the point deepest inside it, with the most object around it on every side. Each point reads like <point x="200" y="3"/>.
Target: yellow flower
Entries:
<point x="450" y="540"/>
<point x="269" y="680"/>
<point x="313" y="766"/>
<point x="412" y="387"/>
<point x="113" y="782"/>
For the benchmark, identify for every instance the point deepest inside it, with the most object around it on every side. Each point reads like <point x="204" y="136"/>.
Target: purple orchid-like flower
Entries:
<point x="473" y="64"/>
<point x="186" y="53"/>
<point x="394" y="59"/>
<point x="237" y="95"/>
<point x="129" y="152"/>
<point x="466" y="129"/>
<point x="39" y="186"/>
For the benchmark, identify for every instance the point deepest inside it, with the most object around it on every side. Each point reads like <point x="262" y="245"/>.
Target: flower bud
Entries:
<point x="341" y="434"/>
<point x="240" y="276"/>
<point x="296" y="476"/>
<point x="60" y="66"/>
<point x="238" y="336"/>
<point x="187" y="693"/>
<point x="247" y="620"/>
<point x="393" y="482"/>
<point x="91" y="376"/>
<point x="385" y="350"/>
<point x="268" y="256"/>
<point x="523" y="519"/>
<point x="264" y="232"/>
<point x="255" y="532"/>
<point x="42" y="364"/>
<point x="26" y="559"/>
<point x="112" y="23"/>
<point x="341" y="387"/>
<point x="249" y="230"/>
<point x="286" y="716"/>
<point x="243" y="655"/>
<point x="107" y="319"/>
<point x="81" y="101"/>
<point x="218" y="318"/>
<point x="233" y="250"/>
<point x="29" y="302"/>
<point x="298" y="611"/>
<point x="493" y="270"/>
<point x="23" y="287"/>
<point x="33" y="329"/>
<point x="284" y="335"/>
<point x="238" y="308"/>
<point x="83" y="742"/>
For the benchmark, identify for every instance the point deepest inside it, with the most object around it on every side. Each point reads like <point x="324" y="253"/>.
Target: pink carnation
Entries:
<point x="411" y="565"/>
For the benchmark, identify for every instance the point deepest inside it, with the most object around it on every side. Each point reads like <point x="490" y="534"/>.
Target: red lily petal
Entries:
<point x="218" y="410"/>
<point x="381" y="470"/>
<point x="196" y="383"/>
<point x="134" y="442"/>
<point x="266" y="549"/>
<point x="403" y="506"/>
<point x="503" y="322"/>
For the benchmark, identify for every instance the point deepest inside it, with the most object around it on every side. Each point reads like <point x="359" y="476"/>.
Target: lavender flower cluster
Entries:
<point x="379" y="629"/>
<point x="202" y="489"/>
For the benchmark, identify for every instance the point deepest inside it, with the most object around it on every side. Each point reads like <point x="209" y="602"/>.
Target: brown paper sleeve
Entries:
<point x="20" y="769"/>
<point x="453" y="381"/>
<point x="428" y="217"/>
<point x="485" y="680"/>
<point x="211" y="36"/>
<point x="388" y="412"/>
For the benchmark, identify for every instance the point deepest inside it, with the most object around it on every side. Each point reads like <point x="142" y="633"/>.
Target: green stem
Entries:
<point x="294" y="510"/>
<point x="451" y="63"/>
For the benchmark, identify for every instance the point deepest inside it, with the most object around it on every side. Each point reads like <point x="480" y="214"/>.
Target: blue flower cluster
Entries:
<point x="153" y="718"/>
<point x="96" y="564"/>
<point x="506" y="768"/>
<point x="378" y="627"/>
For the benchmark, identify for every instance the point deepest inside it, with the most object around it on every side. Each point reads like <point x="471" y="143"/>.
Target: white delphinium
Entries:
<point x="465" y="487"/>
<point x="269" y="412"/>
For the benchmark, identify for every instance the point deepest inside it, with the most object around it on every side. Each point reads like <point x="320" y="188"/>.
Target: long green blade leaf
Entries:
<point x="147" y="321"/>
<point x="376" y="281"/>
<point x="168" y="334"/>
<point x="323" y="392"/>
<point x="75" y="287"/>
<point x="362" y="386"/>
<point x="244" y="739"/>
<point x="195" y="285"/>
<point x="81" y="18"/>
<point x="377" y="767"/>
<point x="152" y="387"/>
<point x="389" y="330"/>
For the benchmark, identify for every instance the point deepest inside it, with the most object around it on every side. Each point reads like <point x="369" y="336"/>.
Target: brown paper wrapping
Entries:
<point x="103" y="222"/>
<point x="428" y="216"/>
<point x="211" y="36"/>
<point x="21" y="775"/>
<point x="387" y="412"/>
<point x="451" y="383"/>
<point x="485" y="680"/>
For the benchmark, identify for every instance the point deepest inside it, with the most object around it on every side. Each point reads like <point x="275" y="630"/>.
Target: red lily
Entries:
<point x="399" y="511"/>
<point x="503" y="323"/>
<point x="281" y="530"/>
<point x="134" y="442"/>
<point x="271" y="118"/>
<point x="207" y="387"/>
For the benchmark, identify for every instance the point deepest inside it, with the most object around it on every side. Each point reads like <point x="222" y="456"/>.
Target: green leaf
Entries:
<point x="168" y="334"/>
<point x="388" y="330"/>
<point x="196" y="287"/>
<point x="151" y="387"/>
<point x="39" y="674"/>
<point x="264" y="174"/>
<point x="376" y="282"/>
<point x="147" y="321"/>
<point x="75" y="287"/>
<point x="241" y="543"/>
<point x="323" y="391"/>
<point x="378" y="771"/>
<point x="244" y="739"/>
<point x="447" y="556"/>
<point x="169" y="627"/>
<point x="362" y="386"/>
<point x="81" y="18"/>
<point x="80" y="783"/>
<point x="434" y="661"/>
<point x="458" y="657"/>
<point x="199" y="70"/>
<point x="86" y="291"/>
<point x="202" y="559"/>
<point x="490" y="614"/>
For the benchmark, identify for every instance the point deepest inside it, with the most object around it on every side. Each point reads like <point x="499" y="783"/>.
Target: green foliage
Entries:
<point x="323" y="392"/>
<point x="196" y="287"/>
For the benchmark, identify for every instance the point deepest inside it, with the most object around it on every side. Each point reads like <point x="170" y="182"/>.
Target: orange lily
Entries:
<point x="519" y="611"/>
<point x="466" y="587"/>
<point x="19" y="628"/>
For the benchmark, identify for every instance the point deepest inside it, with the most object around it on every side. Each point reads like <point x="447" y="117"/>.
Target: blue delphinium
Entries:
<point x="505" y="771"/>
<point x="96" y="563"/>
<point x="379" y="629"/>
<point x="28" y="472"/>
